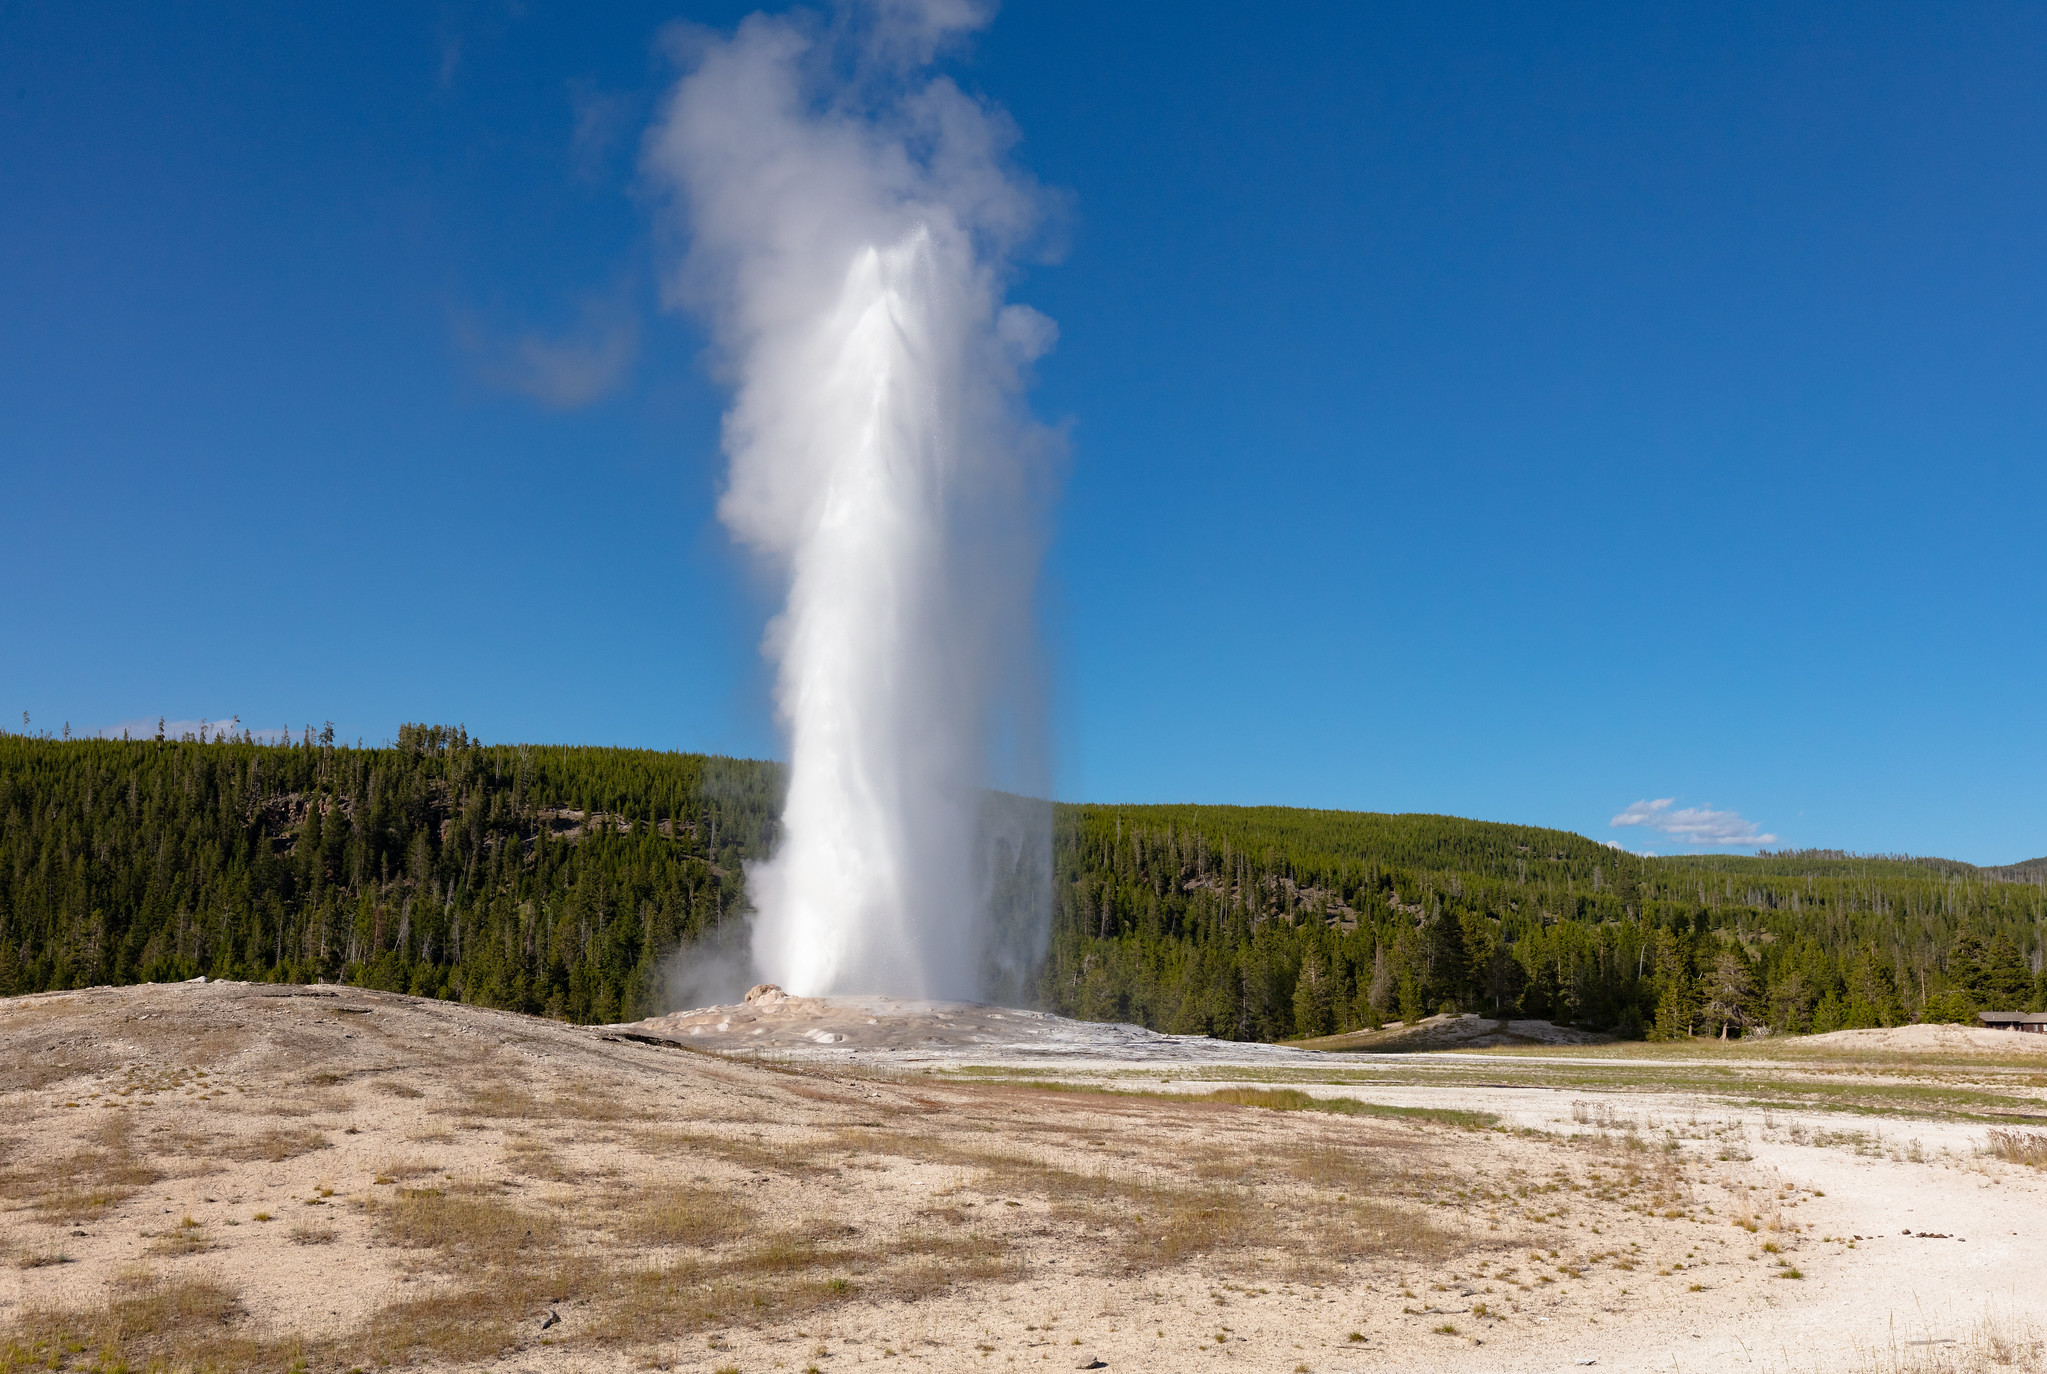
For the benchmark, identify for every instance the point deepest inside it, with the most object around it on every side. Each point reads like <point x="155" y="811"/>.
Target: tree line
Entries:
<point x="1270" y="923"/>
<point x="570" y="882"/>
<point x="532" y="877"/>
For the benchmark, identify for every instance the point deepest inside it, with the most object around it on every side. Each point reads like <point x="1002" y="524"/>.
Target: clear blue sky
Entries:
<point x="1513" y="411"/>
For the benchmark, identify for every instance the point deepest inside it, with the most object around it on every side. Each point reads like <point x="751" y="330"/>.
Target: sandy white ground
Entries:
<point x="1933" y="1040"/>
<point x="1890" y="1297"/>
<point x="1608" y="1222"/>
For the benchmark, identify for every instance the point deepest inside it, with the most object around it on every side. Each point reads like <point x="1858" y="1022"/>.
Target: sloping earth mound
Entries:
<point x="240" y="1177"/>
<point x="1455" y="1032"/>
<point x="1930" y="1040"/>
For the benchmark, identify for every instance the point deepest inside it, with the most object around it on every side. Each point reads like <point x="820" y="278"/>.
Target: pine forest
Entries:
<point x="577" y="883"/>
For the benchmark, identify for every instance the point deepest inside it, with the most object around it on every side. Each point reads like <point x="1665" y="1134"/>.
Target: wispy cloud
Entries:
<point x="601" y="121"/>
<point x="564" y="371"/>
<point x="1693" y="824"/>
<point x="451" y="58"/>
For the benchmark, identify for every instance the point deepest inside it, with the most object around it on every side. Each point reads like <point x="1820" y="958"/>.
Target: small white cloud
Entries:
<point x="564" y="371"/>
<point x="1693" y="824"/>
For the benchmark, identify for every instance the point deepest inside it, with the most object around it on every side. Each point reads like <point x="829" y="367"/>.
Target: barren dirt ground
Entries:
<point x="246" y="1176"/>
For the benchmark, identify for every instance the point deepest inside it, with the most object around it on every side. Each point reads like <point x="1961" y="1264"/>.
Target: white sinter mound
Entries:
<point x="893" y="1027"/>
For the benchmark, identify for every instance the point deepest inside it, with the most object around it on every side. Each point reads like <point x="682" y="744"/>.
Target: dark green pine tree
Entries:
<point x="2003" y="982"/>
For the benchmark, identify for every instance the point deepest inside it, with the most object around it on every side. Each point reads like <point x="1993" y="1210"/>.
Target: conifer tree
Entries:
<point x="2003" y="981"/>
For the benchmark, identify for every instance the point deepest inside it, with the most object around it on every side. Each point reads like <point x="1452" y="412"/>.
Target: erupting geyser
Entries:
<point x="849" y="219"/>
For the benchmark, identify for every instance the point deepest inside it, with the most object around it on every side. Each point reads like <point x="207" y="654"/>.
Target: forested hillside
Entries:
<point x="562" y="881"/>
<point x="539" y="878"/>
<point x="1270" y="923"/>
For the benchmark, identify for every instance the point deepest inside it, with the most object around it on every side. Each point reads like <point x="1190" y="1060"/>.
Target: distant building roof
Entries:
<point x="2012" y="1018"/>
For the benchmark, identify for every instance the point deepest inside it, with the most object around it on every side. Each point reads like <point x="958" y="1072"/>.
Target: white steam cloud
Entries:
<point x="850" y="218"/>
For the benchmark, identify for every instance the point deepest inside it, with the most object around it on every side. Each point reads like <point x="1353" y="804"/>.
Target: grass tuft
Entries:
<point x="275" y="1145"/>
<point x="143" y="1322"/>
<point x="470" y="1232"/>
<point x="2017" y="1147"/>
<point x="686" y="1214"/>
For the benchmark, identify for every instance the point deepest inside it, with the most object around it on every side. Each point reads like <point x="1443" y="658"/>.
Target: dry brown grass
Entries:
<point x="585" y="1101"/>
<point x="305" y="1103"/>
<point x="172" y="1141"/>
<point x="1353" y="1165"/>
<point x="144" y="1322"/>
<point x="1174" y="1224"/>
<point x="935" y="1262"/>
<point x="33" y="1256"/>
<point x="508" y="1262"/>
<point x="1295" y="1100"/>
<point x="2000" y="1342"/>
<point x="791" y="1275"/>
<point x="497" y="1102"/>
<point x="188" y="1237"/>
<point x="691" y="1296"/>
<point x="1150" y="1220"/>
<point x="536" y="1159"/>
<point x="2017" y="1147"/>
<point x="1219" y="1200"/>
<point x="686" y="1214"/>
<point x="275" y="1145"/>
<point x="471" y="1323"/>
<point x="512" y="1258"/>
<point x="512" y="1268"/>
<point x="581" y="1102"/>
<point x="1356" y="1229"/>
<point x="198" y="1324"/>
<point x="86" y="1183"/>
<point x="469" y="1231"/>
<point x="747" y="1149"/>
<point x="35" y="1072"/>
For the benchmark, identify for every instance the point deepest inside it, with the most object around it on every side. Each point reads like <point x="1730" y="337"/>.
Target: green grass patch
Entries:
<point x="1294" y="1100"/>
<point x="1272" y="1099"/>
<point x="1906" y="1090"/>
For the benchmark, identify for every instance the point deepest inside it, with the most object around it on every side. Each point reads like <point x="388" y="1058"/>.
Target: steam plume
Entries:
<point x="850" y="219"/>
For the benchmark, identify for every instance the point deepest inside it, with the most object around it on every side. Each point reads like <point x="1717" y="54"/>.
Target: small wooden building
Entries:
<point x="2034" y="1021"/>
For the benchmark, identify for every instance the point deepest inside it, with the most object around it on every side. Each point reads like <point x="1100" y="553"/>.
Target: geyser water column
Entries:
<point x="872" y="886"/>
<point x="848" y="218"/>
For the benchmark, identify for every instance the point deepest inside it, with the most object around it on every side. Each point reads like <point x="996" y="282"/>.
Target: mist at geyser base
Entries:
<point x="849" y="220"/>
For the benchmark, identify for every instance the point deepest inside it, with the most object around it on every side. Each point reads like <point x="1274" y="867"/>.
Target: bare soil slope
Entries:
<point x="251" y="1177"/>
